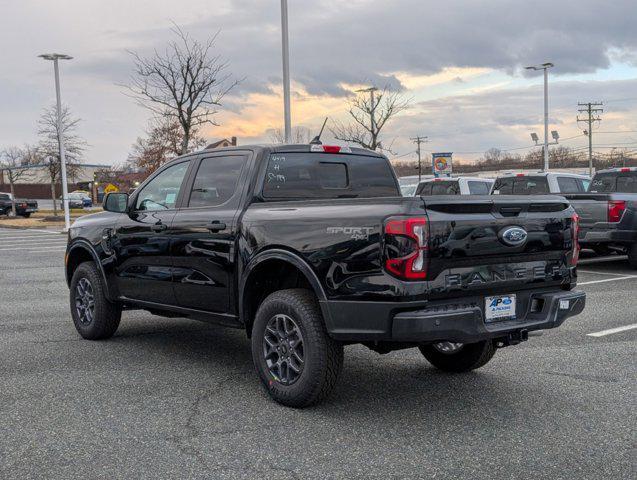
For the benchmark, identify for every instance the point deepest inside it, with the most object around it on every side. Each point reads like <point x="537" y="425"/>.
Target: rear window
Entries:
<point x="445" y="187"/>
<point x="478" y="188"/>
<point x="521" y="186"/>
<point x="614" y="182"/>
<point x="322" y="175"/>
<point x="569" y="185"/>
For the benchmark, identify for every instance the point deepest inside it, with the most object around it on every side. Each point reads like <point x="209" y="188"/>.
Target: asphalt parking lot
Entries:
<point x="174" y="398"/>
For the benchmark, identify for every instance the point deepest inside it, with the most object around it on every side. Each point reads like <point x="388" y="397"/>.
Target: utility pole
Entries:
<point x="372" y="111"/>
<point x="592" y="115"/>
<point x="418" y="140"/>
<point x="287" y="117"/>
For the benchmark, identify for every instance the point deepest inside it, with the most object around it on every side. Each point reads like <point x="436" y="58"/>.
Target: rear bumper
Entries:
<point x="453" y="320"/>
<point x="610" y="235"/>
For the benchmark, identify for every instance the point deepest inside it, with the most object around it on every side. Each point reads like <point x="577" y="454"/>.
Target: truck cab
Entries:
<point x="540" y="183"/>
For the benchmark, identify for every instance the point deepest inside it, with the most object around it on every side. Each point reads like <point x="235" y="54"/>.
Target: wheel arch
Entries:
<point x="82" y="251"/>
<point x="272" y="270"/>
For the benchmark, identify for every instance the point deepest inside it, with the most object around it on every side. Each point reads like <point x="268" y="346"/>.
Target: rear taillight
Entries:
<point x="616" y="210"/>
<point x="575" y="234"/>
<point x="406" y="247"/>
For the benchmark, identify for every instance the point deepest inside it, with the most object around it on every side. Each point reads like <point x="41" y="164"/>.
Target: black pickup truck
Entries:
<point x="23" y="208"/>
<point x="608" y="212"/>
<point x="310" y="248"/>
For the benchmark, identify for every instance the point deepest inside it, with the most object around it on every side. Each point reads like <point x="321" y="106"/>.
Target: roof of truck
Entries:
<point x="298" y="148"/>
<point x="544" y="174"/>
<point x="618" y="169"/>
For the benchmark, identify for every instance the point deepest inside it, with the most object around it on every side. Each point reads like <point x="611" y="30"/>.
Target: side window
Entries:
<point x="216" y="180"/>
<point x="162" y="191"/>
<point x="478" y="188"/>
<point x="583" y="184"/>
<point x="445" y="188"/>
<point x="503" y="186"/>
<point x="424" y="189"/>
<point x="627" y="183"/>
<point x="568" y="185"/>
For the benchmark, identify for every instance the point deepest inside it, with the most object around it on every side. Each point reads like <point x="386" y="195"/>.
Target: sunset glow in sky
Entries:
<point x="462" y="62"/>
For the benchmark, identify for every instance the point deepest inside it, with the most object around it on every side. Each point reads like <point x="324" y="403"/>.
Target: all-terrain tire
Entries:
<point x="469" y="357"/>
<point x="322" y="355"/>
<point x="106" y="315"/>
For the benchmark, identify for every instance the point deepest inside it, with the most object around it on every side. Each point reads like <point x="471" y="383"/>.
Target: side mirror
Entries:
<point x="116" y="202"/>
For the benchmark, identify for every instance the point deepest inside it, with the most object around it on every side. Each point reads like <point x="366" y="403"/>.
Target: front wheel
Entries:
<point x="296" y="360"/>
<point x="458" y="357"/>
<point x="94" y="316"/>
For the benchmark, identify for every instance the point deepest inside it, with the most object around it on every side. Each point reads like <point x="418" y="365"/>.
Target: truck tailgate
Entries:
<point x="498" y="243"/>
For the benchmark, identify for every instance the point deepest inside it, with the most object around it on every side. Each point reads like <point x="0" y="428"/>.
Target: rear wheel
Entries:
<point x="94" y="316"/>
<point x="296" y="360"/>
<point x="632" y="255"/>
<point x="458" y="357"/>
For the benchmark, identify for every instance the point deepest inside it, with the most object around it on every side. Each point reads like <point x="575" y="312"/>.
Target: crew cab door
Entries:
<point x="141" y="240"/>
<point x="204" y="232"/>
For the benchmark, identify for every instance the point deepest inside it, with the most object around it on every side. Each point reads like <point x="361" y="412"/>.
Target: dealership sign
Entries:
<point x="441" y="163"/>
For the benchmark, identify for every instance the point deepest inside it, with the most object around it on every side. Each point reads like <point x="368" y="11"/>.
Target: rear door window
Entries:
<point x="568" y="185"/>
<point x="424" y="189"/>
<point x="323" y="175"/>
<point x="503" y="186"/>
<point x="478" y="188"/>
<point x="216" y="180"/>
<point x="610" y="182"/>
<point x="445" y="188"/>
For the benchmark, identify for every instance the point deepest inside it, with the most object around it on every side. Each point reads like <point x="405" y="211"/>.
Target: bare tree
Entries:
<point x="299" y="135"/>
<point x="186" y="82"/>
<point x="370" y="119"/>
<point x="163" y="142"/>
<point x="49" y="147"/>
<point x="13" y="161"/>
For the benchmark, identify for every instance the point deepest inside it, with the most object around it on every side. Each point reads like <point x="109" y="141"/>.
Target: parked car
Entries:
<point x="608" y="212"/>
<point x="455" y="186"/>
<point x="77" y="200"/>
<point x="310" y="248"/>
<point x="540" y="183"/>
<point x="24" y="208"/>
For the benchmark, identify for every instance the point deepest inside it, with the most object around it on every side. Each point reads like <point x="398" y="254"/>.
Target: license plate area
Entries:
<point x="499" y="307"/>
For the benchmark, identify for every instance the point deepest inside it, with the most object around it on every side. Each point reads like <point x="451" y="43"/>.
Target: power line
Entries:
<point x="592" y="116"/>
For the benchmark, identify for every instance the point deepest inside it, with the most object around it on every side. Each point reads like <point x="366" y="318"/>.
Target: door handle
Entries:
<point x="158" y="227"/>
<point x="216" y="226"/>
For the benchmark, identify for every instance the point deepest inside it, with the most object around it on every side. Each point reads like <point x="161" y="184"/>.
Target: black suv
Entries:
<point x="311" y="247"/>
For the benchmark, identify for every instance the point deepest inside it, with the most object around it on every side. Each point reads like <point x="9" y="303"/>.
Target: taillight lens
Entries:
<point x="406" y="247"/>
<point x="616" y="210"/>
<point x="575" y="233"/>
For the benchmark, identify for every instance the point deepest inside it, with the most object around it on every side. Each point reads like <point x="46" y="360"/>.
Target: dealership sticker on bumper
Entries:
<point x="500" y="307"/>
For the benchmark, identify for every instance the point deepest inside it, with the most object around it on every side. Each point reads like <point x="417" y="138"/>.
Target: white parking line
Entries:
<point x="610" y="331"/>
<point x="627" y="277"/>
<point x="602" y="273"/>
<point x="35" y="240"/>
<point x="35" y="247"/>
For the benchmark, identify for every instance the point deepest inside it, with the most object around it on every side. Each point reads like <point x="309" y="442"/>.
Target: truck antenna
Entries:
<point x="317" y="140"/>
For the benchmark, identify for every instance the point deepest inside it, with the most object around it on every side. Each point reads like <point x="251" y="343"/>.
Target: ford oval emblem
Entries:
<point x="513" y="236"/>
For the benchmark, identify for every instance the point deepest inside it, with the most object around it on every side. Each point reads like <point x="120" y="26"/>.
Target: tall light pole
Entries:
<point x="286" y="71"/>
<point x="545" y="67"/>
<point x="372" y="110"/>
<point x="65" y="190"/>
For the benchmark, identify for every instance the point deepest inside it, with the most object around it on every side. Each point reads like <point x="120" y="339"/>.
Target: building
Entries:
<point x="36" y="181"/>
<point x="223" y="143"/>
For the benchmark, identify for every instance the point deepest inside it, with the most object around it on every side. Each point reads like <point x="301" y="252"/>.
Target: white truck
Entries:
<point x="540" y="183"/>
<point x="454" y="186"/>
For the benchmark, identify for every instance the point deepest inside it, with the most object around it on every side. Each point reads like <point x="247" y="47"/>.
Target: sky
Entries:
<point x="461" y="63"/>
